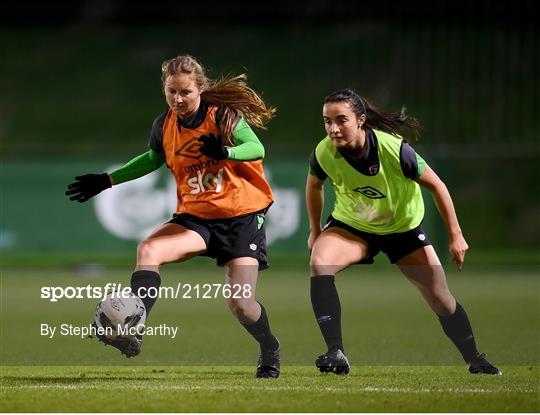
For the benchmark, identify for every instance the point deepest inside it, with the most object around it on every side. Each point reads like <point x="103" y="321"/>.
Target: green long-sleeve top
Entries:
<point x="247" y="147"/>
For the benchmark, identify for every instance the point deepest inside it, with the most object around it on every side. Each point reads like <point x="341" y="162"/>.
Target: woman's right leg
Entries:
<point x="334" y="250"/>
<point x="169" y="243"/>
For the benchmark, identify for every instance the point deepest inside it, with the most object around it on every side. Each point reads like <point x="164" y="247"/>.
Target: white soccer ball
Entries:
<point x="120" y="316"/>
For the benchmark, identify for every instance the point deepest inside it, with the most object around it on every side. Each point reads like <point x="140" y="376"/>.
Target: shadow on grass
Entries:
<point x="149" y="376"/>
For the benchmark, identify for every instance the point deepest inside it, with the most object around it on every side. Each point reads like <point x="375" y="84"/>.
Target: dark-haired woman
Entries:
<point x="375" y="175"/>
<point x="205" y="138"/>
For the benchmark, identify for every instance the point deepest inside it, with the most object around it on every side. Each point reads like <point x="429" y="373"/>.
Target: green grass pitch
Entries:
<point x="401" y="360"/>
<point x="233" y="389"/>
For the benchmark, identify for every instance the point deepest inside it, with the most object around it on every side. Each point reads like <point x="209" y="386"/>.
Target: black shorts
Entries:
<point x="394" y="245"/>
<point x="226" y="239"/>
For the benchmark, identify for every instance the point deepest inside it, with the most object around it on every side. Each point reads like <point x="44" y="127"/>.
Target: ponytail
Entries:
<point x="396" y="123"/>
<point x="234" y="95"/>
<point x="231" y="93"/>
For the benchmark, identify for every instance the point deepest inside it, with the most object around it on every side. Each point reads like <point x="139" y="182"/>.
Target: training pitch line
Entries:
<point x="369" y="389"/>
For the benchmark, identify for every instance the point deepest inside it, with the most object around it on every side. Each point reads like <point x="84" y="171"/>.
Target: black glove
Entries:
<point x="213" y="147"/>
<point x="87" y="186"/>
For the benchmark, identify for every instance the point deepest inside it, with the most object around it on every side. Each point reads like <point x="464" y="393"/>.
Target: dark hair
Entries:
<point x="395" y="123"/>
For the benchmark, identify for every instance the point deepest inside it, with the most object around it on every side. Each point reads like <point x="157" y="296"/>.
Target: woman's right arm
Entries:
<point x="138" y="167"/>
<point x="87" y="186"/>
<point x="315" y="204"/>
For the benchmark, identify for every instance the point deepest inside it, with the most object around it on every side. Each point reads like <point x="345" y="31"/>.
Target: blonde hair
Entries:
<point x="232" y="93"/>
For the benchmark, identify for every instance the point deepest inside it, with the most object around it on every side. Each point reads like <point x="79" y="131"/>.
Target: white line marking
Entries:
<point x="373" y="389"/>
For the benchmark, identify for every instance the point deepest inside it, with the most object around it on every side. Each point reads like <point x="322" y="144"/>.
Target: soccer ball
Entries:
<point x="120" y="316"/>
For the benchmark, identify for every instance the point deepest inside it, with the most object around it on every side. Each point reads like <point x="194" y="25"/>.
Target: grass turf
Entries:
<point x="299" y="389"/>
<point x="401" y="359"/>
<point x="385" y="320"/>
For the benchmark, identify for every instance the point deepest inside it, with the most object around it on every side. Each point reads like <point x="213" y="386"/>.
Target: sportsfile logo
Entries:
<point x="200" y="183"/>
<point x="117" y="292"/>
<point x="55" y="293"/>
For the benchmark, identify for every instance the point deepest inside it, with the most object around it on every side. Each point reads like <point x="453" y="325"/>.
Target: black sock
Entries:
<point x="458" y="328"/>
<point x="260" y="330"/>
<point x="146" y="279"/>
<point x="327" y="308"/>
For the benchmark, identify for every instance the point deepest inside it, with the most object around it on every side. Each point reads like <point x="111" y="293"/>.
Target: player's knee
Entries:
<point x="320" y="258"/>
<point x="321" y="264"/>
<point x="147" y="253"/>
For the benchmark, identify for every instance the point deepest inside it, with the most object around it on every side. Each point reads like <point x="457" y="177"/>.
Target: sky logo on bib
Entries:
<point x="200" y="183"/>
<point x="369" y="213"/>
<point x="370" y="192"/>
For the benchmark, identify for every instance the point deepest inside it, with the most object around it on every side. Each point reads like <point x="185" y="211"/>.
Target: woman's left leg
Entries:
<point x="423" y="268"/>
<point x="241" y="275"/>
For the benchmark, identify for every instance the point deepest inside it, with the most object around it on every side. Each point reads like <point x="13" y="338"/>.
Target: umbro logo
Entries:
<point x="370" y="192"/>
<point x="190" y="150"/>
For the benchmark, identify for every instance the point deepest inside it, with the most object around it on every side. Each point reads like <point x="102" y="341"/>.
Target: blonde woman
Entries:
<point x="205" y="138"/>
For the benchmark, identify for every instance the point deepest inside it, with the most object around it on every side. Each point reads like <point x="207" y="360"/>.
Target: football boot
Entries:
<point x="333" y="361"/>
<point x="480" y="365"/>
<point x="128" y="347"/>
<point x="269" y="363"/>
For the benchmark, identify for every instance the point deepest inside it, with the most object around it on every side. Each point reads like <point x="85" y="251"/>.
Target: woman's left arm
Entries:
<point x="457" y="244"/>
<point x="247" y="146"/>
